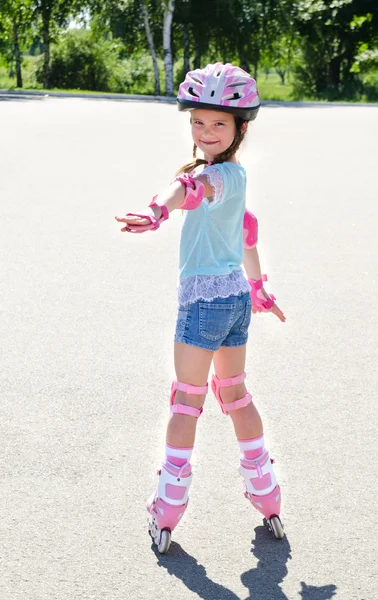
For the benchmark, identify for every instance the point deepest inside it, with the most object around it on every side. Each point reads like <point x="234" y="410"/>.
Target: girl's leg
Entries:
<point x="192" y="366"/>
<point x="168" y="503"/>
<point x="230" y="362"/>
<point x="256" y="467"/>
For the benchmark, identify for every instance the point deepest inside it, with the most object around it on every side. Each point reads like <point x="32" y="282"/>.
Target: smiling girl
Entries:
<point x="215" y="297"/>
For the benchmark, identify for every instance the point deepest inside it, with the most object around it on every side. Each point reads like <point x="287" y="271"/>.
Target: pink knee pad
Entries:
<point x="194" y="191"/>
<point x="183" y="409"/>
<point x="227" y="407"/>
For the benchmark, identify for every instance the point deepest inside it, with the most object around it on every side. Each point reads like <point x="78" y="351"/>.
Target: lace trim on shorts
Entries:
<point x="209" y="287"/>
<point x="214" y="177"/>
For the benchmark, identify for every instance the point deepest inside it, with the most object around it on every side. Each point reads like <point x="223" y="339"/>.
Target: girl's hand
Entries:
<point x="135" y="221"/>
<point x="139" y="220"/>
<point x="275" y="309"/>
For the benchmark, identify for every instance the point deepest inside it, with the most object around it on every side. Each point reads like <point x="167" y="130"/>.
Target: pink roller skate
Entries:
<point x="260" y="482"/>
<point x="262" y="490"/>
<point x="168" y="503"/>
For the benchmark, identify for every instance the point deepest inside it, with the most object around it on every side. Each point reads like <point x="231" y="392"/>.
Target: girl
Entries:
<point x="215" y="298"/>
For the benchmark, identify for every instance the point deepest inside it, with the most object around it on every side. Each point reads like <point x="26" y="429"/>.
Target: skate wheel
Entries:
<point x="165" y="541"/>
<point x="275" y="525"/>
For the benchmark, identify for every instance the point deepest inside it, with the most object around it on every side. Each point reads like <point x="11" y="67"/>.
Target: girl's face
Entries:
<point x="213" y="131"/>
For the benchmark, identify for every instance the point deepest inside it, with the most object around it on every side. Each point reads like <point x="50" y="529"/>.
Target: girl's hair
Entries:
<point x="223" y="156"/>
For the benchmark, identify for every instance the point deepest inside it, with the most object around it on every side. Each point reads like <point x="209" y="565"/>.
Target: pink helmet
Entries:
<point x="223" y="87"/>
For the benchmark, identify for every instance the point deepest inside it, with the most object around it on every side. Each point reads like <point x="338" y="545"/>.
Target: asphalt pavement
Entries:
<point x="87" y="316"/>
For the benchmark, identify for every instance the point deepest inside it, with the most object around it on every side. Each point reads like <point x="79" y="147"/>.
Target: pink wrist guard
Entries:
<point x="194" y="191"/>
<point x="259" y="302"/>
<point x="154" y="223"/>
<point x="250" y="230"/>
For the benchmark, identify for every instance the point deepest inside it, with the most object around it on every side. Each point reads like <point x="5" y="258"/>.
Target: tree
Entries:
<point x="53" y="15"/>
<point x="332" y="32"/>
<point x="245" y="30"/>
<point x="15" y="17"/>
<point x="168" y="7"/>
<point x="151" y="44"/>
<point x="136" y="22"/>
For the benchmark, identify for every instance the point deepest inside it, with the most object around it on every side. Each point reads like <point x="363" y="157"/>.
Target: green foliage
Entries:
<point x="82" y="61"/>
<point x="332" y="33"/>
<point x="19" y="13"/>
<point x="8" y="76"/>
<point x="324" y="49"/>
<point x="369" y="84"/>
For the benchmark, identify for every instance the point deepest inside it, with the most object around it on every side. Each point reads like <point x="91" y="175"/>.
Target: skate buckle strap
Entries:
<point x="173" y="478"/>
<point x="256" y="469"/>
<point x="183" y="409"/>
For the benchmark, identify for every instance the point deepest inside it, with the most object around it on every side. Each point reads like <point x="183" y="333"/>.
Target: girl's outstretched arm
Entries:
<point x="170" y="199"/>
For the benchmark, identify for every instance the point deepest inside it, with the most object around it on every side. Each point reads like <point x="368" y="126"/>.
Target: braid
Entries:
<point x="193" y="164"/>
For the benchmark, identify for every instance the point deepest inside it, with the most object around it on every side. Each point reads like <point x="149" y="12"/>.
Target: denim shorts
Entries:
<point x="215" y="323"/>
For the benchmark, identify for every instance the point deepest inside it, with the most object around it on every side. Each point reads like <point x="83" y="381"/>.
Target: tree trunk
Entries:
<point x="168" y="6"/>
<point x="335" y="72"/>
<point x="46" y="44"/>
<point x="281" y="73"/>
<point x="17" y="54"/>
<point x="198" y="53"/>
<point x="244" y="64"/>
<point x="151" y="46"/>
<point x="186" y="48"/>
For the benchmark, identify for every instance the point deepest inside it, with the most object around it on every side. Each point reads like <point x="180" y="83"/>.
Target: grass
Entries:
<point x="269" y="84"/>
<point x="29" y="66"/>
<point x="270" y="87"/>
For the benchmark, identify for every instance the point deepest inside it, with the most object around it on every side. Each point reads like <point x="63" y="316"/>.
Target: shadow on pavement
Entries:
<point x="310" y="592"/>
<point x="185" y="567"/>
<point x="262" y="582"/>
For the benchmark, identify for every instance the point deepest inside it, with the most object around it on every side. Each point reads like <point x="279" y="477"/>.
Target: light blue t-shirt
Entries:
<point x="212" y="234"/>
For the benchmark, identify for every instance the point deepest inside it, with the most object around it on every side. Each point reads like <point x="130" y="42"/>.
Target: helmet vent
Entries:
<point x="212" y="93"/>
<point x="193" y="93"/>
<point x="197" y="80"/>
<point x="234" y="96"/>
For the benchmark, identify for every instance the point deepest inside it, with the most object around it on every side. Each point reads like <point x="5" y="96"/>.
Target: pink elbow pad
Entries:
<point x="250" y="230"/>
<point x="194" y="191"/>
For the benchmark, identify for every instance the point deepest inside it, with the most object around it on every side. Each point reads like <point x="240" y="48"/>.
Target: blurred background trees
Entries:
<point x="321" y="49"/>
